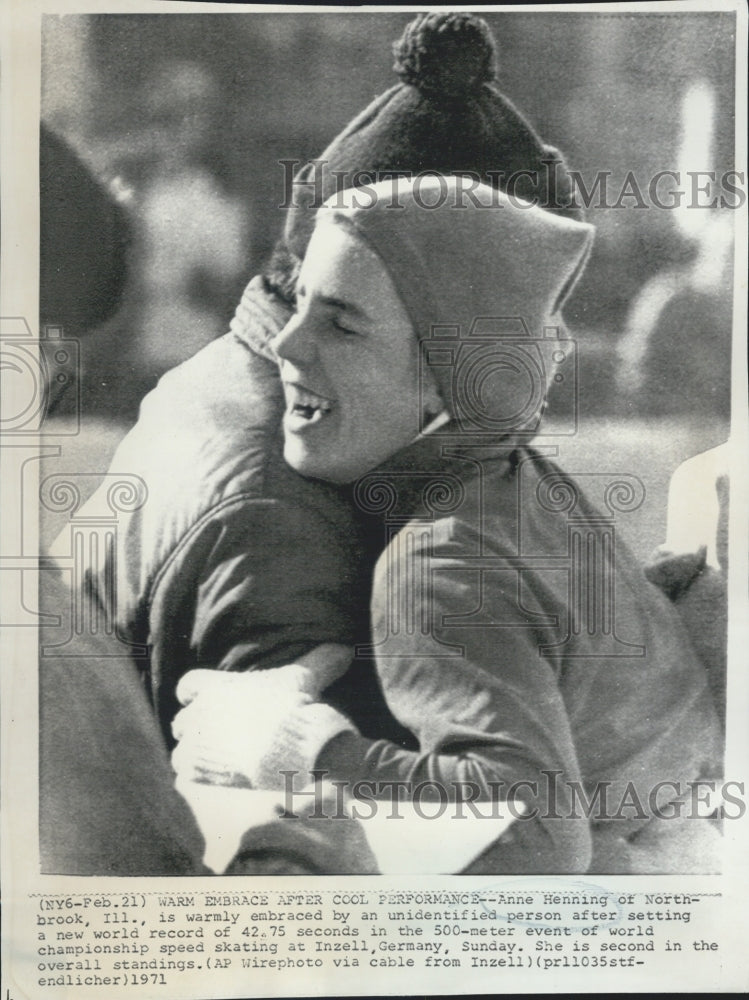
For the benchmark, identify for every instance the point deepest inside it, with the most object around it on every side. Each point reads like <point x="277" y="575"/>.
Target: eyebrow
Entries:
<point x="334" y="303"/>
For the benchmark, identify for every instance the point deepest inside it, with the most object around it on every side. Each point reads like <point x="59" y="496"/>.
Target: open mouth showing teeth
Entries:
<point x="309" y="405"/>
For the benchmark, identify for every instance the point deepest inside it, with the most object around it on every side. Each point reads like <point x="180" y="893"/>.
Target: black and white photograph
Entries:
<point x="374" y="439"/>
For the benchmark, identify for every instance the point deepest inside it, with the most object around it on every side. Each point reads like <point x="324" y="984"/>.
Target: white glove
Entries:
<point x="244" y="729"/>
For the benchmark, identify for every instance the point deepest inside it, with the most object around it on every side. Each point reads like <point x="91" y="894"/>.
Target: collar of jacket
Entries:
<point x="259" y="317"/>
<point x="429" y="475"/>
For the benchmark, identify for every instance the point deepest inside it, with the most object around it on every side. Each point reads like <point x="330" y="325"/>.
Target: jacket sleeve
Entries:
<point x="482" y="702"/>
<point x="255" y="584"/>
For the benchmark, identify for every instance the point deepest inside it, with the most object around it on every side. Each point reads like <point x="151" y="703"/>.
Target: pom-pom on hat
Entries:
<point x="449" y="54"/>
<point x="446" y="116"/>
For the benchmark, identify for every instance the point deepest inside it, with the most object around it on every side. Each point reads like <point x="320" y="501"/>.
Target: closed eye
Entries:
<point x="344" y="329"/>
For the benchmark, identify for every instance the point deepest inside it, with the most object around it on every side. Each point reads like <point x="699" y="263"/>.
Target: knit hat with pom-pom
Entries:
<point x="446" y="116"/>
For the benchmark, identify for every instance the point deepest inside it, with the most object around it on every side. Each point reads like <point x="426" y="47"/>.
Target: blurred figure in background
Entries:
<point x="676" y="342"/>
<point x="194" y="233"/>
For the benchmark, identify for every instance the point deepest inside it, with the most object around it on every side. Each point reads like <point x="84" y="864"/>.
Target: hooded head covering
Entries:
<point x="446" y="116"/>
<point x="483" y="278"/>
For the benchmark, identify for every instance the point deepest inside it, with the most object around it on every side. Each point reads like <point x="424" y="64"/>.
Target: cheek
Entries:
<point x="376" y="387"/>
<point x="403" y="385"/>
<point x="399" y="414"/>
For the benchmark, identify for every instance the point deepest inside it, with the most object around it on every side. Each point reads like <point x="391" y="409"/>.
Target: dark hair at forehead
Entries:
<point x="281" y="272"/>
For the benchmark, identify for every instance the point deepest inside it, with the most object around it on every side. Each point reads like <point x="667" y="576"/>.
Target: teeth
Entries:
<point x="306" y="399"/>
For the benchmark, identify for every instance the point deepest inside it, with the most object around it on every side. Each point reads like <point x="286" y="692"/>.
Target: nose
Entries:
<point x="295" y="342"/>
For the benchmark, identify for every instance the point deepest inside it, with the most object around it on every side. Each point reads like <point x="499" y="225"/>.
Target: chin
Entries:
<point x="298" y="458"/>
<point x="314" y="466"/>
<point x="307" y="464"/>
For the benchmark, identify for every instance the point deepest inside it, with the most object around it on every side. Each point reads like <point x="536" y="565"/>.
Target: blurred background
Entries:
<point x="186" y="118"/>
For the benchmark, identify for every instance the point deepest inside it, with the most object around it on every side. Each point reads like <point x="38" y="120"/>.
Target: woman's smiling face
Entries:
<point x="349" y="362"/>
